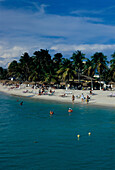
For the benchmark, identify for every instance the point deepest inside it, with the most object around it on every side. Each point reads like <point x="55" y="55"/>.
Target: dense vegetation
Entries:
<point x="42" y="67"/>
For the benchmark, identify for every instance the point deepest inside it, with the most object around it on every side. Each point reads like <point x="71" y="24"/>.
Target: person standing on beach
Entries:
<point x="87" y="99"/>
<point x="90" y="91"/>
<point x="73" y="98"/>
<point x="82" y="97"/>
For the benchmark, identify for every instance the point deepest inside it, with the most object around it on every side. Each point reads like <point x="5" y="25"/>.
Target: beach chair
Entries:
<point x="63" y="95"/>
<point x="110" y="95"/>
<point x="68" y="92"/>
<point x="51" y="94"/>
<point x="25" y="91"/>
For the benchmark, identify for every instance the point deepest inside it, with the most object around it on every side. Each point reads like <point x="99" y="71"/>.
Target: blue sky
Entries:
<point x="59" y="26"/>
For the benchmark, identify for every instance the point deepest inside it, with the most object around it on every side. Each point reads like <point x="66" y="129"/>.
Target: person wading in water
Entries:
<point x="73" y="98"/>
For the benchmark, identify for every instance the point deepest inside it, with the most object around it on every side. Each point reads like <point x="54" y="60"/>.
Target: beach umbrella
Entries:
<point x="111" y="82"/>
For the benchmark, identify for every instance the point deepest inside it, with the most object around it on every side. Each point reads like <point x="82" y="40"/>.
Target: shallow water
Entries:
<point x="32" y="139"/>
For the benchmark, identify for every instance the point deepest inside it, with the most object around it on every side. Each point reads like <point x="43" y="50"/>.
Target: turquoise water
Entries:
<point x="32" y="139"/>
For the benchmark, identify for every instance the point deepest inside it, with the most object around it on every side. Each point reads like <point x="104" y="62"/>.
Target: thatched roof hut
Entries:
<point x="62" y="83"/>
<point x="112" y="84"/>
<point x="26" y="82"/>
<point x="4" y="81"/>
<point x="85" y="84"/>
<point x="32" y="83"/>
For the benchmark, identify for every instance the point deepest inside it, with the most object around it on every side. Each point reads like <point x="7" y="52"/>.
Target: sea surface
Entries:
<point x="32" y="139"/>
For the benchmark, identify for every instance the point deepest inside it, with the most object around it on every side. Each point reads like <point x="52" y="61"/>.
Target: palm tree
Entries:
<point x="107" y="75"/>
<point x="1" y="72"/>
<point x="36" y="68"/>
<point x="24" y="64"/>
<point x="66" y="71"/>
<point x="112" y="66"/>
<point x="88" y="68"/>
<point x="44" y="58"/>
<point x="99" y="63"/>
<point x="89" y="71"/>
<point x="57" y="61"/>
<point x="33" y="76"/>
<point x="42" y="61"/>
<point x="13" y="69"/>
<point x="50" y="76"/>
<point x="78" y="58"/>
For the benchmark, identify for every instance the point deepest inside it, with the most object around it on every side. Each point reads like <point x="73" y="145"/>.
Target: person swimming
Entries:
<point x="51" y="112"/>
<point x="73" y="98"/>
<point x="70" y="110"/>
<point x="21" y="103"/>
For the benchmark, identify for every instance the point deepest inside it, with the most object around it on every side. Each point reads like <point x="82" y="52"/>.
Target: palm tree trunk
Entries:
<point x="91" y="84"/>
<point x="100" y="81"/>
<point x="79" y="75"/>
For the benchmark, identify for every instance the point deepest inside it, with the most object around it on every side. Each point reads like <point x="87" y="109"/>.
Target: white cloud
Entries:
<point x="40" y="8"/>
<point x="87" y="12"/>
<point x="7" y="55"/>
<point x="21" y="31"/>
<point x="74" y="29"/>
<point x="84" y="47"/>
<point x="88" y="49"/>
<point x="100" y="11"/>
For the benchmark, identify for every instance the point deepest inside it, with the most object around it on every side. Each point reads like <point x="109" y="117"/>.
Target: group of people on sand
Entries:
<point x="42" y="91"/>
<point x="82" y="98"/>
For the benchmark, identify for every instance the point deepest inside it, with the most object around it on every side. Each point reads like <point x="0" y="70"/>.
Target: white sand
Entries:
<point x="99" y="98"/>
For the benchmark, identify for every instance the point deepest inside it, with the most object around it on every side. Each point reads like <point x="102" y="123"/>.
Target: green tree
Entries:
<point x="33" y="76"/>
<point x="106" y="75"/>
<point x="66" y="71"/>
<point x="42" y="62"/>
<point x="57" y="61"/>
<point x="44" y="58"/>
<point x="13" y="69"/>
<point x="88" y="68"/>
<point x="112" y="66"/>
<point x="24" y="65"/>
<point x="3" y="73"/>
<point x="99" y="63"/>
<point x="78" y="64"/>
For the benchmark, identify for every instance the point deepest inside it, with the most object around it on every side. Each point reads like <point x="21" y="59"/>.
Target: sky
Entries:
<point x="56" y="25"/>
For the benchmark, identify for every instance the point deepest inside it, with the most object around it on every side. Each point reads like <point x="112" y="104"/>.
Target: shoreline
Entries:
<point x="99" y="97"/>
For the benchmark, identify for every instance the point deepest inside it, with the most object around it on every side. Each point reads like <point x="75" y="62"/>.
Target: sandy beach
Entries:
<point x="99" y="97"/>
